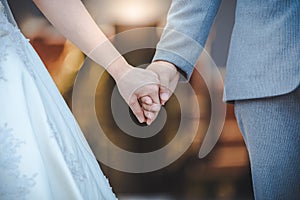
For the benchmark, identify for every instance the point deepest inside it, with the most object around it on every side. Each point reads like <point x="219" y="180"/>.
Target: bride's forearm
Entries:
<point x="71" y="19"/>
<point x="74" y="22"/>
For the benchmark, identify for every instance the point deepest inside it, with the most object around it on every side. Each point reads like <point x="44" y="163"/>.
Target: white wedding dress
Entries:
<point x="43" y="153"/>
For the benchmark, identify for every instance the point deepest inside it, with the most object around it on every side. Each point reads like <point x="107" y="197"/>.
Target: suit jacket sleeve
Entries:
<point x="186" y="31"/>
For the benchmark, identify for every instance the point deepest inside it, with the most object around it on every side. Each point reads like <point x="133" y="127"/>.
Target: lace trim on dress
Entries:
<point x="2" y="45"/>
<point x="10" y="35"/>
<point x="72" y="161"/>
<point x="13" y="184"/>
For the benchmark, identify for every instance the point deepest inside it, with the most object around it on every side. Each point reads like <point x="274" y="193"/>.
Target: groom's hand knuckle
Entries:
<point x="152" y="87"/>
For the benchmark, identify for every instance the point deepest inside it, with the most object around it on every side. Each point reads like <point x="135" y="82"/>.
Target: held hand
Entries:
<point x="168" y="77"/>
<point x="135" y="84"/>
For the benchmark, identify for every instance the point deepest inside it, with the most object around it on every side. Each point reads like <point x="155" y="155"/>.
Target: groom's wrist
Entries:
<point x="164" y="63"/>
<point x="172" y="66"/>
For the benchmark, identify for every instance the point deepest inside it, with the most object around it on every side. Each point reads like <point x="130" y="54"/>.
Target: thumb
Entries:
<point x="164" y="94"/>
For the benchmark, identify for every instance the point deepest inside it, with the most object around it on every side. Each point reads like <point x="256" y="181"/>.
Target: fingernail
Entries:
<point x="164" y="96"/>
<point x="141" y="120"/>
<point x="155" y="107"/>
<point x="148" y="101"/>
<point x="149" y="116"/>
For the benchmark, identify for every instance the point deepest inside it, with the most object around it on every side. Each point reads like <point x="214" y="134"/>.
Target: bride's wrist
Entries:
<point x="118" y="68"/>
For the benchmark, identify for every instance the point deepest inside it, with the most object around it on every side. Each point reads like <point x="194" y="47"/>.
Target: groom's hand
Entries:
<point x="136" y="83"/>
<point x="168" y="77"/>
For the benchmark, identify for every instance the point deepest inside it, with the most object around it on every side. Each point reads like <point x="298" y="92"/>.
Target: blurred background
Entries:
<point x="223" y="174"/>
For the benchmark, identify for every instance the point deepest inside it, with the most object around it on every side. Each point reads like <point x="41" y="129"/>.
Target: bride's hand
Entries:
<point x="135" y="83"/>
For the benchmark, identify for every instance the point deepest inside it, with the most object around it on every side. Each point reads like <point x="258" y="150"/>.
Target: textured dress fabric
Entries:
<point x="43" y="153"/>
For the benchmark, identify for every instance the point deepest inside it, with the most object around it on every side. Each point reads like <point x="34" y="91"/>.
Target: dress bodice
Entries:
<point x="5" y="14"/>
<point x="5" y="29"/>
<point x="2" y="14"/>
<point x="5" y="26"/>
<point x="10" y="35"/>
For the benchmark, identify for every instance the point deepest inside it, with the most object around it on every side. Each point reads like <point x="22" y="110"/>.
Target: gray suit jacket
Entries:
<point x="264" y="55"/>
